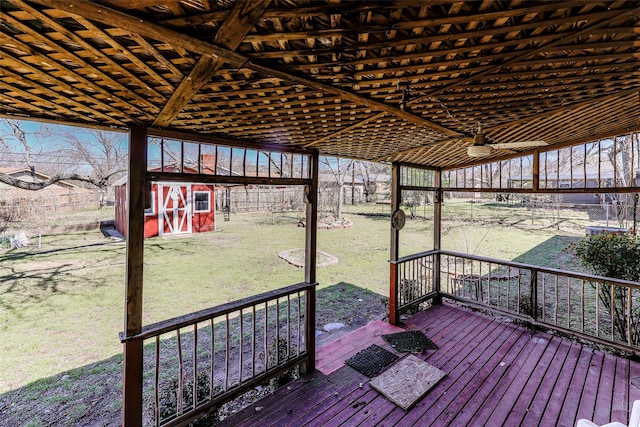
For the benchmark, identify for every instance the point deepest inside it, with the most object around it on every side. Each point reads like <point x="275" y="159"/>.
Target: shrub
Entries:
<point x="611" y="255"/>
<point x="617" y="256"/>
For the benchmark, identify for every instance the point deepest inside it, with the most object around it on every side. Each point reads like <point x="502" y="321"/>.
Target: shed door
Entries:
<point x="175" y="209"/>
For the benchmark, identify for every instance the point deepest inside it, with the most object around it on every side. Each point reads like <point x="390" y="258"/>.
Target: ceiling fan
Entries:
<point x="481" y="148"/>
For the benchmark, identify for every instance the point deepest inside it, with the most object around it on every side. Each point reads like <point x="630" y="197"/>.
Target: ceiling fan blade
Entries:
<point x="519" y="144"/>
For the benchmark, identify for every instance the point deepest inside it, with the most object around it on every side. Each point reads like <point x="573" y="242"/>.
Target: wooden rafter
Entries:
<point x="445" y="36"/>
<point x="238" y="23"/>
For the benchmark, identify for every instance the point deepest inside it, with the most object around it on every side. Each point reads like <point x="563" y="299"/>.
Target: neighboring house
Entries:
<point x="61" y="196"/>
<point x="354" y="189"/>
<point x="567" y="180"/>
<point x="176" y="208"/>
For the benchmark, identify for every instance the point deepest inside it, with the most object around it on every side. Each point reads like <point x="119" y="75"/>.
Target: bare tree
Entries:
<point x="103" y="154"/>
<point x="620" y="154"/>
<point x="369" y="172"/>
<point x="339" y="169"/>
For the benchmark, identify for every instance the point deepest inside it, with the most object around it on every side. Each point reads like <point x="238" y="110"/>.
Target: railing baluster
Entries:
<point x="156" y="381"/>
<point x="612" y="306"/>
<point x="212" y="377"/>
<point x="195" y="365"/>
<point x="299" y="324"/>
<point x="556" y="302"/>
<point x="544" y="296"/>
<point x="227" y="349"/>
<point x="582" y="302"/>
<point x="597" y="309"/>
<point x="277" y="331"/>
<point x="179" y="407"/>
<point x="569" y="302"/>
<point x="510" y="275"/>
<point x="253" y="341"/>
<point x="241" y="346"/>
<point x="288" y="327"/>
<point x="629" y="335"/>
<point x="534" y="294"/>
<point x="266" y="338"/>
<point x="519" y="294"/>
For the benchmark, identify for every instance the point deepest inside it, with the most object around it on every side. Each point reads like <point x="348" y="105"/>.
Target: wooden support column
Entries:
<point x="310" y="261"/>
<point x="132" y="365"/>
<point x="437" y="237"/>
<point x="535" y="172"/>
<point x="396" y="199"/>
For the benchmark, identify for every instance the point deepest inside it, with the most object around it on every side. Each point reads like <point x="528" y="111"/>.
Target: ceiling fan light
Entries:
<point x="478" y="150"/>
<point x="479" y="139"/>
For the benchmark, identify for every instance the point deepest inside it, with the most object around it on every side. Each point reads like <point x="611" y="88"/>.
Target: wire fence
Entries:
<point x="20" y="207"/>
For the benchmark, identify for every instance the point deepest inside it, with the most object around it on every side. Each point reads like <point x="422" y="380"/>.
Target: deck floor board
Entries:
<point x="498" y="373"/>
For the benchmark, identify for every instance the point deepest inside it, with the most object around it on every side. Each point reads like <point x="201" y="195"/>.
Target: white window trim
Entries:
<point x="208" y="193"/>
<point x="152" y="210"/>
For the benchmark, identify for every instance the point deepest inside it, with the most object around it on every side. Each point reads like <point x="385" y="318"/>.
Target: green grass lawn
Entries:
<point x="62" y="304"/>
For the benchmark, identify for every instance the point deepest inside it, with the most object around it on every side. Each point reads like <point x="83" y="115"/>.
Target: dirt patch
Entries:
<point x="330" y="223"/>
<point x="296" y="257"/>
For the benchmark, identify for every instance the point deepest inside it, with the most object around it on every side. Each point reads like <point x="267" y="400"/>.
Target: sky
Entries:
<point x="45" y="141"/>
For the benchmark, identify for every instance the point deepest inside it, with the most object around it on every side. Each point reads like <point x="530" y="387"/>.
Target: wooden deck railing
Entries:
<point x="204" y="359"/>
<point x="600" y="309"/>
<point x="414" y="279"/>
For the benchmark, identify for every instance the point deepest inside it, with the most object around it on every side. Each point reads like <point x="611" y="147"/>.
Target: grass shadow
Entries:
<point x="349" y="304"/>
<point x="88" y="395"/>
<point x="552" y="253"/>
<point x="373" y="215"/>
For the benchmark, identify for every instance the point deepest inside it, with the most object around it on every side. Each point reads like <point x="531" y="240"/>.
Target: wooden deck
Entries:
<point x="498" y="374"/>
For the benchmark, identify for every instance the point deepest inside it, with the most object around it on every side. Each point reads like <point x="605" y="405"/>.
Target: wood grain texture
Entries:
<point x="498" y="373"/>
<point x="403" y="81"/>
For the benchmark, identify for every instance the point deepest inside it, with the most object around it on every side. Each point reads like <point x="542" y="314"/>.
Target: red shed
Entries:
<point x="176" y="208"/>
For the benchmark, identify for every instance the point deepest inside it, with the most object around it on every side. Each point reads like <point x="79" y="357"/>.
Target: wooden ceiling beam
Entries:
<point x="444" y="37"/>
<point x="410" y="25"/>
<point x="419" y="55"/>
<point x="237" y="24"/>
<point x="115" y="18"/>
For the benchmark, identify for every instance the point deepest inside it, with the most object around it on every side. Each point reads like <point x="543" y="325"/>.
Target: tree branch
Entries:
<point x="35" y="186"/>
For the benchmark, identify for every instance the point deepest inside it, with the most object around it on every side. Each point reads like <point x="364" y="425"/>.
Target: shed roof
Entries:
<point x="403" y="80"/>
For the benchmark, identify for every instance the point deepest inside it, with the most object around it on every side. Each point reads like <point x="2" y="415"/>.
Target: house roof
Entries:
<point x="379" y="80"/>
<point x="13" y="171"/>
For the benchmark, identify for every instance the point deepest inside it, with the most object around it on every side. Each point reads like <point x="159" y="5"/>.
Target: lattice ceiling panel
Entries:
<point x="394" y="80"/>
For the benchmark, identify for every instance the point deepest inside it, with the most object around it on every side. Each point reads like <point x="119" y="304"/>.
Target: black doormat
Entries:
<point x="372" y="360"/>
<point x="410" y="342"/>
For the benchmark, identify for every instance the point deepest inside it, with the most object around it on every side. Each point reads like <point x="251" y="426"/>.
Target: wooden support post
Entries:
<point x="535" y="171"/>
<point x="396" y="199"/>
<point x="310" y="262"/>
<point x="437" y="238"/>
<point x="132" y="366"/>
